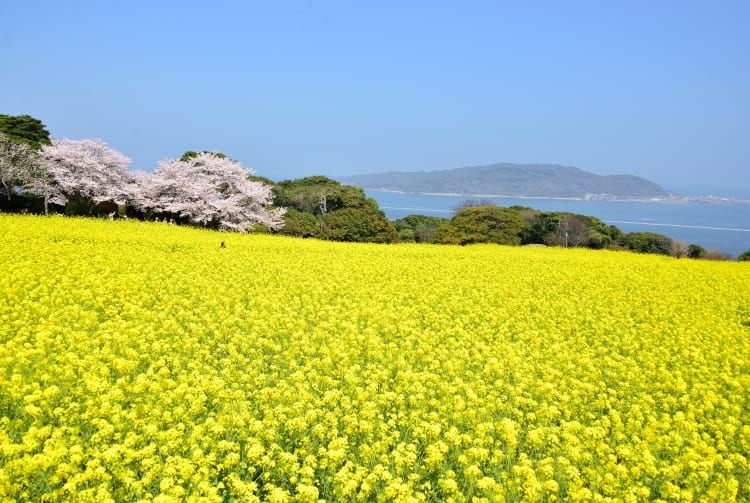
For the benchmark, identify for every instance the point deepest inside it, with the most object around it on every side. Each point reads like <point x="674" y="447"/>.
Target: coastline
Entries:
<point x="718" y="226"/>
<point x="676" y="199"/>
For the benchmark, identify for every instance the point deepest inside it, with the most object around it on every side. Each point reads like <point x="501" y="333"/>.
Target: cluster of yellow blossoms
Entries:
<point x="144" y="362"/>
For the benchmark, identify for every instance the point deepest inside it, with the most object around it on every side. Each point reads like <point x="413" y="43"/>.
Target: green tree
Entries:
<point x="191" y="154"/>
<point x="359" y="224"/>
<point x="418" y="228"/>
<point x="483" y="224"/>
<point x="300" y="224"/>
<point x="744" y="257"/>
<point x="322" y="207"/>
<point x="648" y="242"/>
<point x="600" y="234"/>
<point x="317" y="195"/>
<point x="570" y="231"/>
<point x="471" y="203"/>
<point x="262" y="179"/>
<point x="695" y="251"/>
<point x="567" y="229"/>
<point x="24" y="129"/>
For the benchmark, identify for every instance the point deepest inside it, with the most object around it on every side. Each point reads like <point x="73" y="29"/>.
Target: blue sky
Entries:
<point x="659" y="89"/>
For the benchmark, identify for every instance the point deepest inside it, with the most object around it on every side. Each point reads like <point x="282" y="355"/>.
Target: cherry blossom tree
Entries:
<point x="39" y="182"/>
<point x="210" y="188"/>
<point x="84" y="173"/>
<point x="16" y="162"/>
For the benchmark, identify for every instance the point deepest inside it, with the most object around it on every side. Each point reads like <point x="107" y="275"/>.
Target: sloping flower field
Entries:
<point x="144" y="362"/>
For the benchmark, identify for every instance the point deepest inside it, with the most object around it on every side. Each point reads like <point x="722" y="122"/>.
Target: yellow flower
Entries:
<point x="140" y="365"/>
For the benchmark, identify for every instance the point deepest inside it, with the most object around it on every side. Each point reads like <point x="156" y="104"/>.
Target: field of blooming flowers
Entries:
<point x="143" y="362"/>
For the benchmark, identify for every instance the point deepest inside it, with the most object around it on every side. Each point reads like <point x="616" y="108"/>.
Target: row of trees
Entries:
<point x="210" y="189"/>
<point x="202" y="188"/>
<point x="484" y="222"/>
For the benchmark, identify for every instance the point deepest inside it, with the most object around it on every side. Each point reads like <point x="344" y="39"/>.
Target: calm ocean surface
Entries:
<point x="721" y="227"/>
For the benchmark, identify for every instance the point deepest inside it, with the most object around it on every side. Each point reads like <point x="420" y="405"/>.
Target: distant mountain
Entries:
<point x="515" y="180"/>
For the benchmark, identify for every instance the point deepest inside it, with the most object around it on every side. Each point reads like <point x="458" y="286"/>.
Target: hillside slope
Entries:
<point x="504" y="179"/>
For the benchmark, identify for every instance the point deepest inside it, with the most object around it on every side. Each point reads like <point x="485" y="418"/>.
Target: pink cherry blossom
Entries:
<point x="210" y="188"/>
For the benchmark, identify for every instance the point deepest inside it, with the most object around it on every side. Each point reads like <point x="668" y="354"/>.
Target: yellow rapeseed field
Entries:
<point x="143" y="362"/>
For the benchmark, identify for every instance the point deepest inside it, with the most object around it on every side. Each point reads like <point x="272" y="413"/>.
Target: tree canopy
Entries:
<point x="568" y="230"/>
<point x="82" y="173"/>
<point x="648" y="242"/>
<point x="16" y="160"/>
<point x="192" y="154"/>
<point x="362" y="224"/>
<point x="24" y="129"/>
<point x="418" y="228"/>
<point x="322" y="207"/>
<point x="305" y="194"/>
<point x="483" y="224"/>
<point x="212" y="190"/>
<point x="695" y="251"/>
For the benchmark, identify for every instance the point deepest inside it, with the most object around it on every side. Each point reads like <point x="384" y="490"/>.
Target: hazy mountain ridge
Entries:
<point x="519" y="180"/>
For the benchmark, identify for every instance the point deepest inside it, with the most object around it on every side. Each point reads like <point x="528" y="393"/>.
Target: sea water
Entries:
<point x="716" y="226"/>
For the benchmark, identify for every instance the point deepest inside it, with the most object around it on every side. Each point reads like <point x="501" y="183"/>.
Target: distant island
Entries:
<point x="515" y="180"/>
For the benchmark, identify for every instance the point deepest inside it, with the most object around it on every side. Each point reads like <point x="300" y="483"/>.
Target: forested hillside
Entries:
<point x="504" y="179"/>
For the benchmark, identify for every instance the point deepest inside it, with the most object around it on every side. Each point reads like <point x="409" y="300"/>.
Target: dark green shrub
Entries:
<point x="695" y="251"/>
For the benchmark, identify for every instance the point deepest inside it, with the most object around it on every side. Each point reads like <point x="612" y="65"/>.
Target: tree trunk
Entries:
<point x="7" y="189"/>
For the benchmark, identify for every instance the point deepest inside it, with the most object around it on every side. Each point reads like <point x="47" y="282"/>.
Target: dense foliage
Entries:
<point x="321" y="207"/>
<point x="16" y="160"/>
<point x="568" y="230"/>
<point x="209" y="189"/>
<point x="305" y="194"/>
<point x="483" y="224"/>
<point x="696" y="251"/>
<point x="21" y="136"/>
<point x="87" y="177"/>
<point x="145" y="362"/>
<point x="24" y="129"/>
<point x="418" y="228"/>
<point x="82" y="174"/>
<point x="648" y="242"/>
